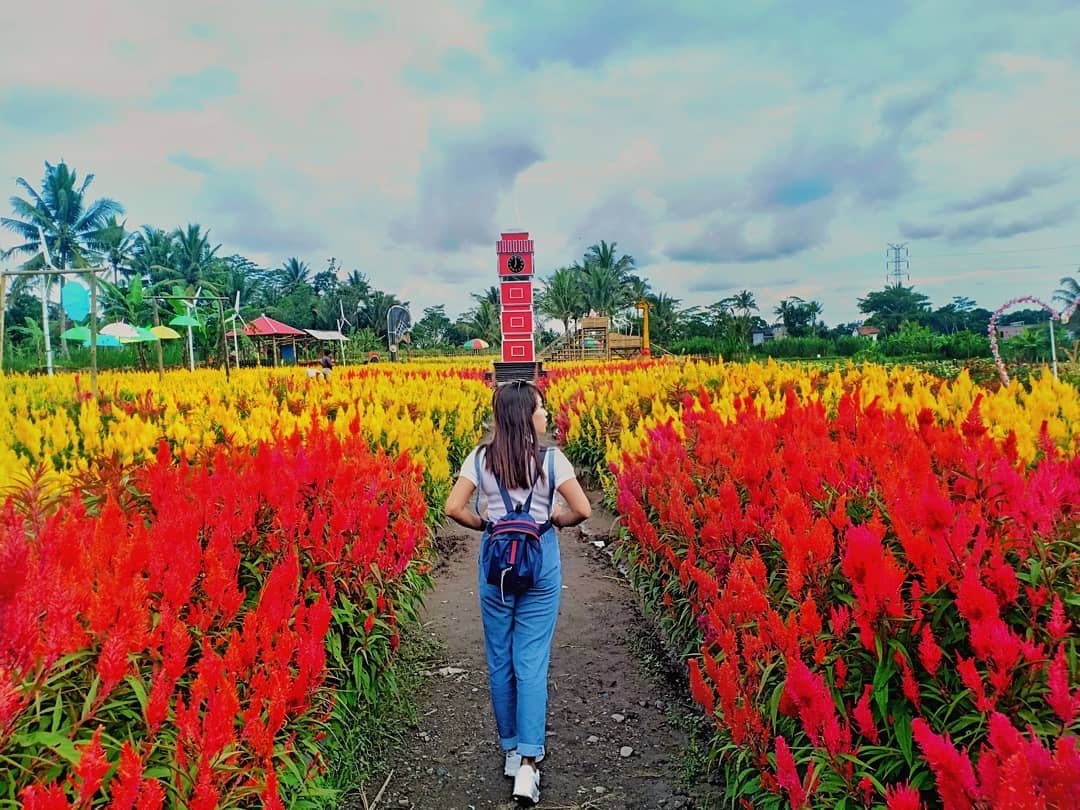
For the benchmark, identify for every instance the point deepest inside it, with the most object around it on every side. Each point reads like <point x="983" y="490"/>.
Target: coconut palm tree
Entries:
<point x="1067" y="295"/>
<point x="193" y="260"/>
<point x="483" y="321"/>
<point x="561" y="298"/>
<point x="664" y="317"/>
<point x="62" y="213"/>
<point x="606" y="255"/>
<point x="744" y="303"/>
<point x="292" y="274"/>
<point x="65" y="217"/>
<point x="116" y="246"/>
<point x="151" y="253"/>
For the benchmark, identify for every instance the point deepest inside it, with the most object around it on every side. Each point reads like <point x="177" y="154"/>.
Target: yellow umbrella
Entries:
<point x="165" y="333"/>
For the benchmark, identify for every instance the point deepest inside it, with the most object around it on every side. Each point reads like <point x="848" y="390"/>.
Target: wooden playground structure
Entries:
<point x="594" y="340"/>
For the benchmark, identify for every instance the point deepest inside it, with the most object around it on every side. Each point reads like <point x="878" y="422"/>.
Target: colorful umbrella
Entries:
<point x="476" y="343"/>
<point x="105" y="341"/>
<point x="164" y="333"/>
<point x="119" y="329"/>
<point x="184" y="320"/>
<point x="591" y="343"/>
<point x="144" y="336"/>
<point x="76" y="333"/>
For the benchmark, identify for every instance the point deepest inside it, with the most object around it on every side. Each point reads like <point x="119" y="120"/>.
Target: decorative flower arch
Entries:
<point x="1062" y="316"/>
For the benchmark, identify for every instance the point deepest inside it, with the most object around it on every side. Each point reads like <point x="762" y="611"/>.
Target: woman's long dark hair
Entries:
<point x="514" y="452"/>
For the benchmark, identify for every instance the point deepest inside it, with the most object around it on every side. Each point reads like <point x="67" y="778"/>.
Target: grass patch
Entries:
<point x="367" y="735"/>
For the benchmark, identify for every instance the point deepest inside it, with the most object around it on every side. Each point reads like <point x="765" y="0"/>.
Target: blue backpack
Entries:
<point x="511" y="554"/>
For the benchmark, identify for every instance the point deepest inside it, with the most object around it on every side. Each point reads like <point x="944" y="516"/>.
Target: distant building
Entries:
<point x="779" y="332"/>
<point x="761" y="336"/>
<point x="1010" y="330"/>
<point x="871" y="332"/>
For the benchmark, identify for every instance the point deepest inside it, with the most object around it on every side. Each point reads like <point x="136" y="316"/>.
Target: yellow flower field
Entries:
<point x="433" y="411"/>
<point x="606" y="409"/>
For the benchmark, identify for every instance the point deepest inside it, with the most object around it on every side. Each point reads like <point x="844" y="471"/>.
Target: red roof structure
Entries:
<point x="268" y="327"/>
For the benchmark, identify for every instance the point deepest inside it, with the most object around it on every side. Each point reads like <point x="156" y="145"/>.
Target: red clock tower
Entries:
<point x="516" y="269"/>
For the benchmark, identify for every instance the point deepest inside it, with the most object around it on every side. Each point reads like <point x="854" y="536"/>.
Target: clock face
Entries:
<point x="515" y="264"/>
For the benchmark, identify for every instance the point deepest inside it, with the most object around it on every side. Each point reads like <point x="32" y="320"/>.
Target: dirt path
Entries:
<point x="601" y="703"/>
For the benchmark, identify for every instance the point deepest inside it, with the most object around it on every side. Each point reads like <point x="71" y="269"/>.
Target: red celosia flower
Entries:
<point x="1059" y="698"/>
<point x="902" y="797"/>
<point x="788" y="776"/>
<point x="90" y="769"/>
<point x="1058" y="626"/>
<point x="125" y="785"/>
<point x="44" y="797"/>
<point x="952" y="769"/>
<point x="702" y="692"/>
<point x="864" y="717"/>
<point x="929" y="651"/>
<point x="971" y="678"/>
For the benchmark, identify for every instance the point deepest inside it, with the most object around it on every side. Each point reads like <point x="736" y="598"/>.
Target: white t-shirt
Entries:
<point x="489" y="488"/>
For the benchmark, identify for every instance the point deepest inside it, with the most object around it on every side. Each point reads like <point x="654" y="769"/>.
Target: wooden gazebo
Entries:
<point x="270" y="336"/>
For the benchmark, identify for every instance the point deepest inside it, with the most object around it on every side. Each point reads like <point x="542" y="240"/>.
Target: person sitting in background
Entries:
<point x="327" y="364"/>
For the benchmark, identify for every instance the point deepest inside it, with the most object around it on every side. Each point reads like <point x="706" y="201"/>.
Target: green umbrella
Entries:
<point x="76" y="333"/>
<point x="184" y="320"/>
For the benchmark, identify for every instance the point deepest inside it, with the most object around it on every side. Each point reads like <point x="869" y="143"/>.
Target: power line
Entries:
<point x="997" y="252"/>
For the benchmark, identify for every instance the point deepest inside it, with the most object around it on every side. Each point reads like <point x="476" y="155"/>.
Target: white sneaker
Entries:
<point x="527" y="785"/>
<point x="513" y="762"/>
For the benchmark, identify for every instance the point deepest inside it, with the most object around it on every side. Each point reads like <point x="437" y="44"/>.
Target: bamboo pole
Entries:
<point x="160" y="364"/>
<point x="3" y="312"/>
<point x="93" y="334"/>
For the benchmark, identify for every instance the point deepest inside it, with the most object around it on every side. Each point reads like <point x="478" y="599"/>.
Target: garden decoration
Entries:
<point x="75" y="299"/>
<point x="1062" y="316"/>
<point x="119" y="330"/>
<point x="76" y="333"/>
<point x="165" y="332"/>
<point x="476" y="343"/>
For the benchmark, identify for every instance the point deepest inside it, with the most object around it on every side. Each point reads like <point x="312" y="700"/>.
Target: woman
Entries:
<point x="518" y="628"/>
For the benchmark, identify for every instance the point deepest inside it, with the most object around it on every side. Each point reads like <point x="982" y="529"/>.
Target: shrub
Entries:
<point x="874" y="612"/>
<point x="175" y="636"/>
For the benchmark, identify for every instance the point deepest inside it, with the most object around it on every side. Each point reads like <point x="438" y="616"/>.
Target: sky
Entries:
<point x="725" y="146"/>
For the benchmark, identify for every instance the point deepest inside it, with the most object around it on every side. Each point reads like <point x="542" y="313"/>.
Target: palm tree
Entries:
<point x="193" y="259"/>
<point x="561" y="297"/>
<point x="483" y="321"/>
<point x="745" y="303"/>
<point x="1068" y="294"/>
<point x="374" y="309"/>
<point x="63" y="215"/>
<point x="608" y="283"/>
<point x="605" y="255"/>
<point x="151" y="253"/>
<point x="665" y="317"/>
<point x="292" y="274"/>
<point x="491" y="295"/>
<point x="116" y="246"/>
